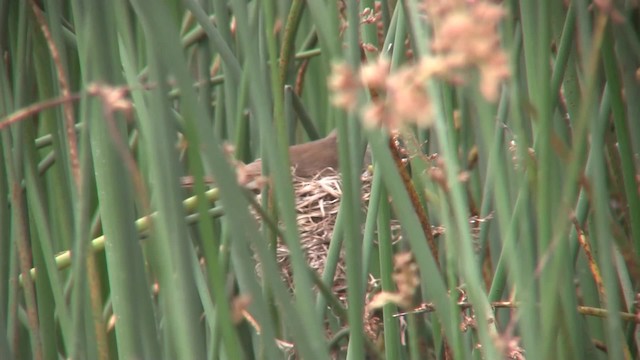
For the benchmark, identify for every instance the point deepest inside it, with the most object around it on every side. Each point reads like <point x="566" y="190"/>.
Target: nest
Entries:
<point x="317" y="206"/>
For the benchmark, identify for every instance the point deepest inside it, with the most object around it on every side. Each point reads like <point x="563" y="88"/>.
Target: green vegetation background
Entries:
<point x="105" y="105"/>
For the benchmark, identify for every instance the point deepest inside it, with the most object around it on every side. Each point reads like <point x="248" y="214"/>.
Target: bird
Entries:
<point x="307" y="159"/>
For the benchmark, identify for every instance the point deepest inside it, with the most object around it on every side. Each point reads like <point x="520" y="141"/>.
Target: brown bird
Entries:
<point x="307" y="159"/>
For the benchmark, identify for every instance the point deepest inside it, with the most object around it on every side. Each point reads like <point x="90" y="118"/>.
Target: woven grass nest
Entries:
<point x="317" y="205"/>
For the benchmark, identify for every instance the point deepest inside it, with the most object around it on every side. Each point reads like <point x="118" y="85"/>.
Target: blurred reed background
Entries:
<point x="519" y="209"/>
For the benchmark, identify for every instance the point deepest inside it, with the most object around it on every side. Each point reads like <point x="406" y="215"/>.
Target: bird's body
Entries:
<point x="307" y="159"/>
